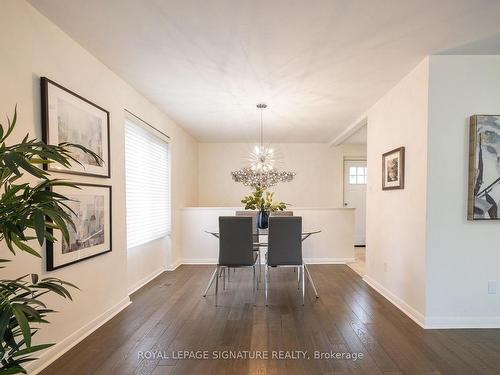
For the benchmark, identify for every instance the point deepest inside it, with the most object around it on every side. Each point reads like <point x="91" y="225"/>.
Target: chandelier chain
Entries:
<point x="261" y="128"/>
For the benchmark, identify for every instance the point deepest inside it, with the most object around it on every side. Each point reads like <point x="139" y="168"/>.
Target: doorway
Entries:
<point x="355" y="179"/>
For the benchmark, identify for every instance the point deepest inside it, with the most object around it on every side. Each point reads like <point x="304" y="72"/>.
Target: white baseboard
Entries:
<point x="438" y="322"/>
<point x="56" y="351"/>
<point x="174" y="265"/>
<point x="412" y="313"/>
<point x="461" y="322"/>
<point x="199" y="261"/>
<point x="306" y="260"/>
<point x="328" y="260"/>
<point x="138" y="285"/>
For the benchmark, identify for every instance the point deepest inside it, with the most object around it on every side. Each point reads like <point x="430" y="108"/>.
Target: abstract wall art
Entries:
<point x="90" y="211"/>
<point x="484" y="168"/>
<point x="69" y="118"/>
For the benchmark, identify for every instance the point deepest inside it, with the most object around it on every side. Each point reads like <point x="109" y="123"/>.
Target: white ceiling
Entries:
<point x="318" y="64"/>
<point x="485" y="46"/>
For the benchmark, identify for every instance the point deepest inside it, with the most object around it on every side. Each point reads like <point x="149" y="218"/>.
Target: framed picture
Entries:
<point x="91" y="235"/>
<point x="393" y="169"/>
<point x="67" y="117"/>
<point x="484" y="168"/>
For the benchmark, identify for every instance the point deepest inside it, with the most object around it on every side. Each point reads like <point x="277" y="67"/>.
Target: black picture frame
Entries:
<point x="45" y="83"/>
<point x="400" y="151"/>
<point x="49" y="245"/>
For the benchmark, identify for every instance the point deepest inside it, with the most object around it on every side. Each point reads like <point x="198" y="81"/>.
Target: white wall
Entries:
<point x="333" y="245"/>
<point x="31" y="47"/>
<point x="422" y="253"/>
<point x="461" y="255"/>
<point x="318" y="182"/>
<point x="395" y="224"/>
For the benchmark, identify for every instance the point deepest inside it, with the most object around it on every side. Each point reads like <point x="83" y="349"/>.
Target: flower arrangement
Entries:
<point x="263" y="201"/>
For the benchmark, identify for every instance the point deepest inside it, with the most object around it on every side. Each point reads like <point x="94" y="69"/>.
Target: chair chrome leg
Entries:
<point x="266" y="281"/>
<point x="224" y="269"/>
<point x="216" y="286"/>
<point x="253" y="268"/>
<point x="260" y="270"/>
<point x="303" y="285"/>
<point x="254" y="288"/>
<point x="311" y="280"/>
<point x="298" y="277"/>
<point x="214" y="275"/>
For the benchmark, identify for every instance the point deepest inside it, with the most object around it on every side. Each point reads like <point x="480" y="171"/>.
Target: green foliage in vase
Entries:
<point x="29" y="211"/>
<point x="263" y="201"/>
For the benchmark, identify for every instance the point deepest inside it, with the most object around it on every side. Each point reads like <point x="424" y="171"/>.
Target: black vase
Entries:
<point x="263" y="219"/>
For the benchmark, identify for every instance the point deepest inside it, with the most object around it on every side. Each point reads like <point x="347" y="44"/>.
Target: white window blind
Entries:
<point x="147" y="169"/>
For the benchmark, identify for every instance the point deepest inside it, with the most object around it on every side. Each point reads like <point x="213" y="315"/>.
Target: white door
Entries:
<point x="355" y="195"/>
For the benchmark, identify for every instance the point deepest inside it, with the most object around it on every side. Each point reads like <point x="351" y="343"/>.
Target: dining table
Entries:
<point x="259" y="244"/>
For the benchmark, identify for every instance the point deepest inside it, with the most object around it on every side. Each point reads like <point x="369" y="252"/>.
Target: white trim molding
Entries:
<point x="434" y="322"/>
<point x="153" y="275"/>
<point x="174" y="265"/>
<point x="412" y="313"/>
<point x="56" y="351"/>
<point x="139" y="284"/>
<point x="199" y="261"/>
<point x="350" y="130"/>
<point x="328" y="260"/>
<point x="306" y="261"/>
<point x="461" y="322"/>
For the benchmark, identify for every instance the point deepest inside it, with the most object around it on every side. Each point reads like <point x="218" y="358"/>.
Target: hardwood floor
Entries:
<point x="169" y="315"/>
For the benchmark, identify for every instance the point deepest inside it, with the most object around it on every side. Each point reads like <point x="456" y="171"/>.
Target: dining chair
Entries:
<point x="253" y="215"/>
<point x="285" y="248"/>
<point x="255" y="231"/>
<point x="236" y="247"/>
<point x="282" y="213"/>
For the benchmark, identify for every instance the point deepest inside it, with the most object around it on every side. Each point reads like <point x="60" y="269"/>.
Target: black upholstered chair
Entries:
<point x="255" y="231"/>
<point x="253" y="215"/>
<point x="235" y="247"/>
<point x="285" y="247"/>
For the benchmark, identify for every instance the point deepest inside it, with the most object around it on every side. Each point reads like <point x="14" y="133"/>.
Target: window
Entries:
<point x="357" y="175"/>
<point x="147" y="170"/>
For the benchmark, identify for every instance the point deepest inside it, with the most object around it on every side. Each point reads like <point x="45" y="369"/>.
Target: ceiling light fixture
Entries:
<point x="261" y="172"/>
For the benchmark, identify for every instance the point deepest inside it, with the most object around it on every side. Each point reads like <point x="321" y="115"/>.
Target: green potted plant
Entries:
<point x="26" y="212"/>
<point x="263" y="201"/>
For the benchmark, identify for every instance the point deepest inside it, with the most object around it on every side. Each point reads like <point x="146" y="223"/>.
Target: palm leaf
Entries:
<point x="27" y="208"/>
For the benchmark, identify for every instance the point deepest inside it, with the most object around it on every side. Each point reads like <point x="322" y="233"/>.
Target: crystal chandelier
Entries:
<point x="261" y="172"/>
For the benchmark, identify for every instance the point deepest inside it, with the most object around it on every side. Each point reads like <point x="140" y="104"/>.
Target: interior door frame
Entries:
<point x="344" y="159"/>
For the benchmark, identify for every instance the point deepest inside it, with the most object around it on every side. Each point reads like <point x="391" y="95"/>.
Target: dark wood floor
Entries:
<point x="169" y="314"/>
